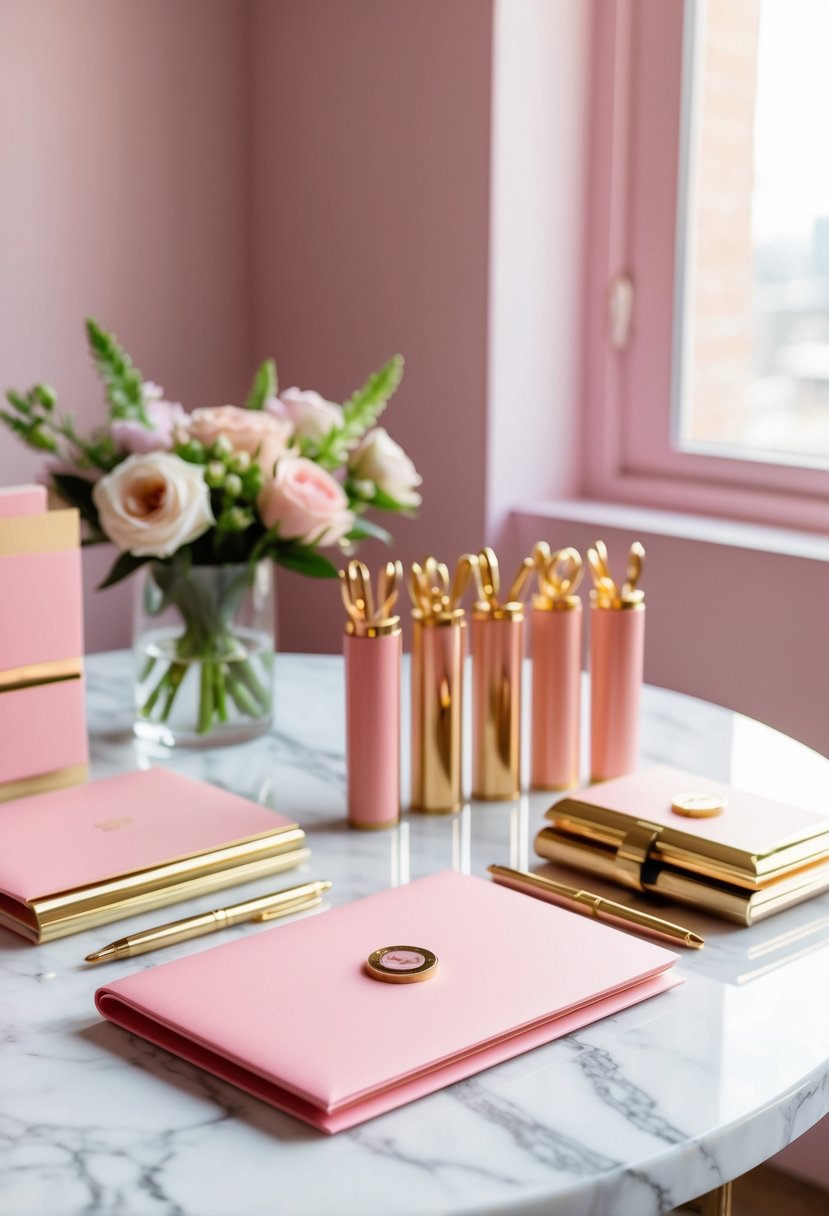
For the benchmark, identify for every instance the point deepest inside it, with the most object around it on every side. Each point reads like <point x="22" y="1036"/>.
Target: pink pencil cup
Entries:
<point x="556" y="641"/>
<point x="617" y="658"/>
<point x="372" y="683"/>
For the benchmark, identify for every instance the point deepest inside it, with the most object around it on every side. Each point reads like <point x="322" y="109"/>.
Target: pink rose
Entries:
<point x="165" y="417"/>
<point x="310" y="414"/>
<point x="305" y="503"/>
<point x="256" y="432"/>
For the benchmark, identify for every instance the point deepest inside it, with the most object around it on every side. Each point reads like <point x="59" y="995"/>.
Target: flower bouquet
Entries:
<point x="203" y="503"/>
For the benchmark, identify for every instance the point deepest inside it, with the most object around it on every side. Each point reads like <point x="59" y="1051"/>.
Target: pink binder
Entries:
<point x="72" y="859"/>
<point x="290" y="1015"/>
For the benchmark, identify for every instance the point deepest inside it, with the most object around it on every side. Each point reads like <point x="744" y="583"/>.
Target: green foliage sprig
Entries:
<point x="123" y="381"/>
<point x="35" y="420"/>
<point x="265" y="384"/>
<point x="360" y="413"/>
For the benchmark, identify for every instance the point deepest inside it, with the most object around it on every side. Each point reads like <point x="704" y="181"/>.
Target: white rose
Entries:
<point x="311" y="416"/>
<point x="152" y="504"/>
<point x="378" y="459"/>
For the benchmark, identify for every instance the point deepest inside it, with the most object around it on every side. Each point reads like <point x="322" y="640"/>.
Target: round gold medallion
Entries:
<point x="698" y="806"/>
<point x="401" y="964"/>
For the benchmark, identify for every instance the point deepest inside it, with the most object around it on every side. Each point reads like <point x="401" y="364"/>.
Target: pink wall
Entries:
<point x="371" y="145"/>
<point x="539" y="173"/>
<point x="122" y="152"/>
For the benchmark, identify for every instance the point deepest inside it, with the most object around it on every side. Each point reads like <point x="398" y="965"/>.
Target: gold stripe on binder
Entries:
<point x="600" y="828"/>
<point x="35" y="674"/>
<point x="64" y="912"/>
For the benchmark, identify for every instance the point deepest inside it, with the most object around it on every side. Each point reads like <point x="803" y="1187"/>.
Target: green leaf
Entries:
<point x="18" y="425"/>
<point x="124" y="565"/>
<point x="122" y="379"/>
<point x="361" y="412"/>
<point x="365" y="528"/>
<point x="384" y="502"/>
<point x="41" y="440"/>
<point x="264" y="386"/>
<point x="45" y="396"/>
<point x="305" y="561"/>
<point x="77" y="491"/>
<point x="20" y="403"/>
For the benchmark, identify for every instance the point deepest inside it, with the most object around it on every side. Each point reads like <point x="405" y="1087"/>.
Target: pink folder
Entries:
<point x="290" y="1015"/>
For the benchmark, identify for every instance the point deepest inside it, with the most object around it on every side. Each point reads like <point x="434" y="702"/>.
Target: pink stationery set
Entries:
<point x="42" y="724"/>
<point x="128" y="844"/>
<point x="292" y="1014"/>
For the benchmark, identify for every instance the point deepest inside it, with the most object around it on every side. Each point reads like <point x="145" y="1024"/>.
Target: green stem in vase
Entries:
<point x="205" y="698"/>
<point x="242" y="699"/>
<point x="220" y="680"/>
<point x="174" y="678"/>
<point x="254" y="684"/>
<point x="147" y="669"/>
<point x="149" y="705"/>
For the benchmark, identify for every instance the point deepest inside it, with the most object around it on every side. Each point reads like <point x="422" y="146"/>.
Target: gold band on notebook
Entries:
<point x="35" y="674"/>
<point x="44" y="533"/>
<point x="86" y="907"/>
<point x="41" y="783"/>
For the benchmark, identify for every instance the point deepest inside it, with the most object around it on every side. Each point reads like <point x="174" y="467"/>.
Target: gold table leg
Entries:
<point x="716" y="1202"/>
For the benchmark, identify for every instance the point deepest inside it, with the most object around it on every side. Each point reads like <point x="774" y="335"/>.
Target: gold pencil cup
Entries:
<point x="438" y="648"/>
<point x="497" y="651"/>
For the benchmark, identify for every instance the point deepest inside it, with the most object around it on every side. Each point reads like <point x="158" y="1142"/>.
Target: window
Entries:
<point x="708" y="383"/>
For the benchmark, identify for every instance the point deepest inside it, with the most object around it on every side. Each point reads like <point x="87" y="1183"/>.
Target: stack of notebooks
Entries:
<point x="757" y="857"/>
<point x="73" y="859"/>
<point x="290" y="1014"/>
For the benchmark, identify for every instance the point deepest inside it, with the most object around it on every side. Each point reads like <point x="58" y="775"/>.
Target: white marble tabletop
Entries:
<point x="629" y="1117"/>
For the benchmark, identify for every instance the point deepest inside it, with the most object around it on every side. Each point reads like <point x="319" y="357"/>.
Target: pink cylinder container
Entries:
<point x="372" y="683"/>
<point x="556" y="641"/>
<point x="617" y="654"/>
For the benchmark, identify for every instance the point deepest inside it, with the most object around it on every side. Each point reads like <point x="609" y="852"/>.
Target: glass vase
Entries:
<point x="203" y="641"/>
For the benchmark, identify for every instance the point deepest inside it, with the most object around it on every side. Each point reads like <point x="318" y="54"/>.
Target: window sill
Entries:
<point x="736" y="611"/>
<point x="762" y="538"/>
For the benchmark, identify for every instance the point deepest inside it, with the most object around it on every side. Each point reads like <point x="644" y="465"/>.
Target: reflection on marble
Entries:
<point x="629" y="1117"/>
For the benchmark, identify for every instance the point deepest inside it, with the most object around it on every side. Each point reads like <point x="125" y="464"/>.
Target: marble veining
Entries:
<point x="629" y="1117"/>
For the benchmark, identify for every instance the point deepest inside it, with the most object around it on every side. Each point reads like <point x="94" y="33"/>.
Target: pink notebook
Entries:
<point x="290" y="1015"/>
<point x="75" y="858"/>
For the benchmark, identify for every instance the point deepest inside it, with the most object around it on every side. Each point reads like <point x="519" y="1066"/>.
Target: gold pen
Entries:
<point x="595" y="905"/>
<point x="266" y="907"/>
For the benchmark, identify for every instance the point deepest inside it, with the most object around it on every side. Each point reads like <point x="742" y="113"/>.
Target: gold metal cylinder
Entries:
<point x="438" y="647"/>
<point x="497" y="652"/>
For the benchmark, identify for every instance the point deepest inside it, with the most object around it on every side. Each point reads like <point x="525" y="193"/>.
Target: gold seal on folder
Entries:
<point x="401" y="964"/>
<point x="698" y="806"/>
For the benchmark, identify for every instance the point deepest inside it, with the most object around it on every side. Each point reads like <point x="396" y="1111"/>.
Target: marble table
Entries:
<point x="629" y="1117"/>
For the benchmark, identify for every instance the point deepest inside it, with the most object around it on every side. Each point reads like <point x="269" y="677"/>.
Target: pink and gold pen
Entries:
<point x="373" y="652"/>
<point x="585" y="902"/>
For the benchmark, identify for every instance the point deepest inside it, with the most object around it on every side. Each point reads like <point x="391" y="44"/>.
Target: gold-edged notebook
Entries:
<point x="77" y="858"/>
<point x="754" y="858"/>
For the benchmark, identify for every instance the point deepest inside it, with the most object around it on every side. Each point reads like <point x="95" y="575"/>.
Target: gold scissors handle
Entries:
<point x="633" y="573"/>
<point x="388" y="584"/>
<point x="360" y="585"/>
<point x="490" y="581"/>
<point x="560" y="573"/>
<point x="520" y="581"/>
<point x="467" y="565"/>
